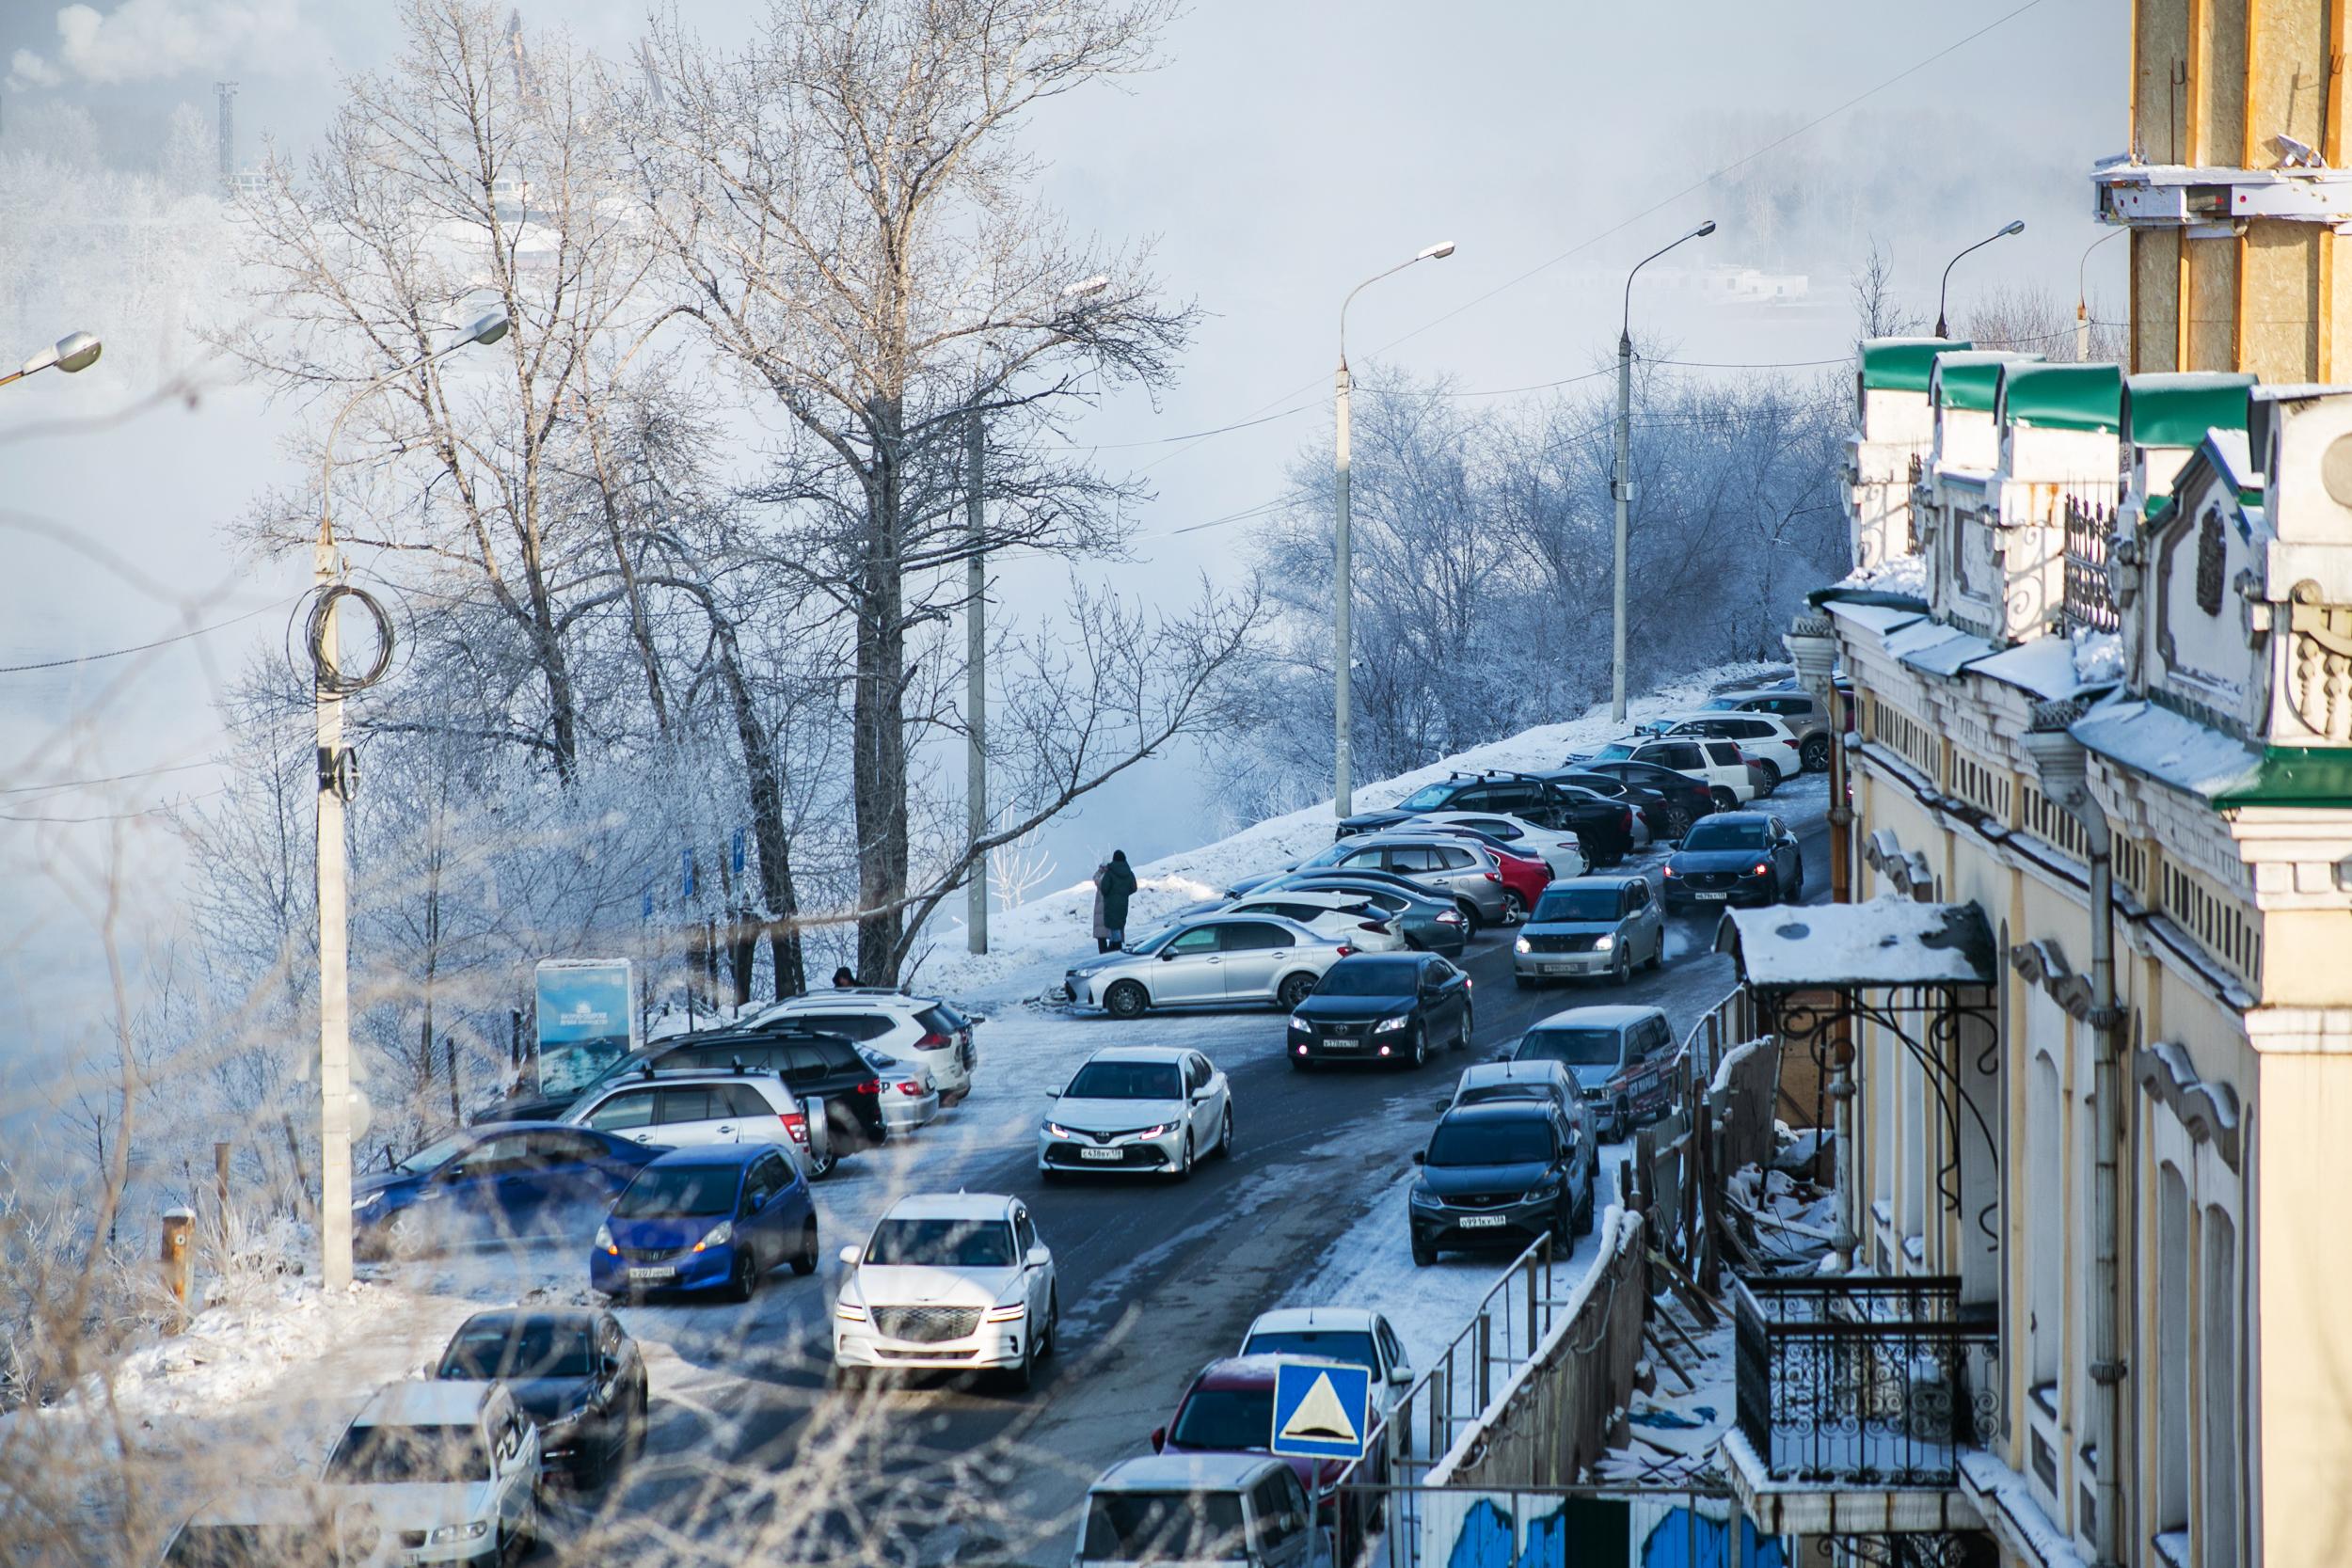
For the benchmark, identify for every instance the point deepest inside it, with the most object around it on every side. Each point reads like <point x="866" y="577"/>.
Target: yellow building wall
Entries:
<point x="2302" y="1176"/>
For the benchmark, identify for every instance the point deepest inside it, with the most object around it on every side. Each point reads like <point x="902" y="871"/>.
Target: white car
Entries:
<point x="1717" y="763"/>
<point x="1345" y="917"/>
<point x="1208" y="961"/>
<point x="1561" y="851"/>
<point x="1766" y="737"/>
<point x="921" y="1031"/>
<point x="953" y="1280"/>
<point x="685" y="1108"/>
<point x="449" y="1472"/>
<point x="1355" y="1335"/>
<point x="1139" y="1107"/>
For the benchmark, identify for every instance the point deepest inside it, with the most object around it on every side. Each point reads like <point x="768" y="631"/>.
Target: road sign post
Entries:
<point x="1321" y="1409"/>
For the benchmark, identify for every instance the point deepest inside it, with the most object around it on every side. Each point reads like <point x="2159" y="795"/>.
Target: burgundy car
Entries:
<point x="1230" y="1409"/>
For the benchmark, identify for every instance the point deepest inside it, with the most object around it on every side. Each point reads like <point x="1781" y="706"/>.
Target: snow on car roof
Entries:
<point x="1285" y="1319"/>
<point x="436" y="1403"/>
<point x="1606" y="1015"/>
<point x="950" y="1206"/>
<point x="1504" y="1073"/>
<point x="1167" y="1054"/>
<point x="1182" y="1472"/>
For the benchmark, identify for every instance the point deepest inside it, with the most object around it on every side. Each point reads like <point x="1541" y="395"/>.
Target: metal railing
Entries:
<point x="1691" y="1523"/>
<point x="2088" y="605"/>
<point x="1874" y="1381"/>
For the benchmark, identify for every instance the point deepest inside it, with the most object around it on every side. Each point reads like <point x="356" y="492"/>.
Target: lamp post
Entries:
<point x="1343" y="569"/>
<point x="2016" y="225"/>
<point x="337" y="777"/>
<point x="1621" y="478"/>
<point x="75" y="350"/>
<point x="2082" y="296"/>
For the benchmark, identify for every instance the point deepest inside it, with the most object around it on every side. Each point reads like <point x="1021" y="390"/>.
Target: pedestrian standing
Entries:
<point x="843" y="979"/>
<point x="1114" y="884"/>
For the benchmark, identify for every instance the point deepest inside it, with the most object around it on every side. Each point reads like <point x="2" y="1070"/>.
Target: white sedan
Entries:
<point x="1341" y="916"/>
<point x="1559" y="850"/>
<point x="948" y="1280"/>
<point x="450" y="1468"/>
<point x="1139" y="1107"/>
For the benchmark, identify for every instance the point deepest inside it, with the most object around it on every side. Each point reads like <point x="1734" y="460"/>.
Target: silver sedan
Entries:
<point x="910" y="1095"/>
<point x="1217" y="961"/>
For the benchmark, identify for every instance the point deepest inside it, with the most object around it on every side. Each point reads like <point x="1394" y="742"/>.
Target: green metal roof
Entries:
<point x="2295" y="776"/>
<point x="1971" y="380"/>
<point x="2176" y="408"/>
<point x="1901" y="364"/>
<point x="2063" y="397"/>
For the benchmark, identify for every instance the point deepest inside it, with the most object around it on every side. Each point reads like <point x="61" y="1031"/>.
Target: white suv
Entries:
<point x="1766" y="737"/>
<point x="1717" y="763"/>
<point x="947" y="1280"/>
<point x="683" y="1108"/>
<point x="449" y="1470"/>
<point x="920" y="1031"/>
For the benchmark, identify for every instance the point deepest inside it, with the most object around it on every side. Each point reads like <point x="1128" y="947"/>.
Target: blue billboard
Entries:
<point x="587" y="1018"/>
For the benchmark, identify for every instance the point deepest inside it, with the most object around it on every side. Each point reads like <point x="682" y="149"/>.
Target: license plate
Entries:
<point x="1102" y="1154"/>
<point x="1341" y="1042"/>
<point x="1557" y="969"/>
<point x="653" y="1273"/>
<point x="1705" y="896"/>
<point x="1471" y="1222"/>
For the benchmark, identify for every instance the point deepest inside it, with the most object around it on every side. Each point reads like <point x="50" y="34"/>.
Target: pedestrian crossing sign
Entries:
<point x="1321" y="1409"/>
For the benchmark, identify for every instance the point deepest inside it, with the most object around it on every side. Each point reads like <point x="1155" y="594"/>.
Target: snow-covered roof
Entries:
<point x="2167" y="746"/>
<point x="951" y="1206"/>
<point x="1284" y="1320"/>
<point x="1886" y="942"/>
<point x="1879" y="618"/>
<point x="2045" y="666"/>
<point x="1185" y="1472"/>
<point x="1935" y="648"/>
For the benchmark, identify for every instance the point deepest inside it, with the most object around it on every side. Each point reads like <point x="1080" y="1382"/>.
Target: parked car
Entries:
<point x="1484" y="1082"/>
<point x="1347" y="917"/>
<point x="1218" y="960"/>
<point x="948" y="1280"/>
<point x="575" y="1371"/>
<point x="687" y="1107"/>
<point x="910" y="1095"/>
<point x="1799" y="709"/>
<point x="449" y="1469"/>
<point x="1767" y="740"/>
<point x="1623" y="1060"/>
<point x="1558" y="847"/>
<point x="819" y="1068"/>
<point x="1525" y="871"/>
<point x="921" y="1031"/>
<point x="1589" y="927"/>
<point x="1668" y="801"/>
<point x="1139" y="1107"/>
<point x="1229" y="1408"/>
<point x="707" y="1219"/>
<point x="1718" y="764"/>
<point x="1500" y="1174"/>
<point x="1495" y="790"/>
<point x="1228" y="1508"/>
<point x="1463" y="871"/>
<point x="1428" y="923"/>
<point x="1355" y="1335"/>
<point x="261" y="1526"/>
<point x="493" y="1183"/>
<point x="1741" y="856"/>
<point x="1393" y="1007"/>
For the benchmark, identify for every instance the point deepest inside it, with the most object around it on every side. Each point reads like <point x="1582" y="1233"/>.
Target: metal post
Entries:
<point x="177" y="1264"/>
<point x="1485" y="1360"/>
<point x="334" y="954"/>
<point x="1343" y="607"/>
<point x="975" y="696"/>
<point x="1621" y="490"/>
<point x="220" y="1193"/>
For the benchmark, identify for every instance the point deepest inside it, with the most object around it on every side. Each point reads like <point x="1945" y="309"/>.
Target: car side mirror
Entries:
<point x="852" y="1255"/>
<point x="1160" y="1439"/>
<point x="1040" y="1255"/>
<point x="1420" y="1156"/>
<point x="1402" y="1376"/>
<point x="1167" y="957"/>
<point x="1201" y="1094"/>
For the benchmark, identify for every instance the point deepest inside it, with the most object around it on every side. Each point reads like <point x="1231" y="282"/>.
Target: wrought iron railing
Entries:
<point x="2090" y="605"/>
<point x="1869" y="1382"/>
<point x="1912" y="502"/>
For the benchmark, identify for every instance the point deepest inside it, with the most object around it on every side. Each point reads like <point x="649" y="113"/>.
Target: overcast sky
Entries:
<point x="1281" y="155"/>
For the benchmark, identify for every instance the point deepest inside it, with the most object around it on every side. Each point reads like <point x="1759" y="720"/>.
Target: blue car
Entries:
<point x="493" y="1183"/>
<point x="711" y="1218"/>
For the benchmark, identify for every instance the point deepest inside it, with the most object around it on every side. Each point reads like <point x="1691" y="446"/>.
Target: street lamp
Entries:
<point x="1342" y="582"/>
<point x="2014" y="226"/>
<point x="336" y="780"/>
<point x="75" y="350"/>
<point x="2082" y="296"/>
<point x="1621" y="482"/>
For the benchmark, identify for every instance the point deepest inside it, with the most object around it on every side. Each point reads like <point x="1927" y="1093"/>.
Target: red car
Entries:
<point x="1524" y="874"/>
<point x="1230" y="1409"/>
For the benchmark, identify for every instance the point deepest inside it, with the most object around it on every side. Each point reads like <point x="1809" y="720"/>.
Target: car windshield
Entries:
<point x="1128" y="1080"/>
<point x="1151" y="944"/>
<point x="1721" y="705"/>
<point x="1613" y="752"/>
<point x="394" y="1455"/>
<point x="241" y="1546"/>
<point x="1491" y="1141"/>
<point x="493" y="1351"/>
<point x="1164" y="1527"/>
<point x="1427" y="797"/>
<point x="1226" y="1420"/>
<point x="1571" y="1047"/>
<point x="1329" y="856"/>
<point x="660" y="1190"/>
<point x="433" y="1155"/>
<point x="1577" y="903"/>
<point x="942" y="1243"/>
<point x="1351" y="1345"/>
<point x="1724" y="835"/>
<point x="1377" y="978"/>
<point x="1510" y="1089"/>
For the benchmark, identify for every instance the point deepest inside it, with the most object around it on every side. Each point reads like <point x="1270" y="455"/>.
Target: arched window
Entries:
<point x="2175" y="1306"/>
<point x="2047" y="1217"/>
<point x="2218" y="1355"/>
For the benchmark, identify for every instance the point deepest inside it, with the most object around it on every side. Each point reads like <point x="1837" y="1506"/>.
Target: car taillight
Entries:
<point x="872" y="1085"/>
<point x="796" y="1126"/>
<point x="1345" y="951"/>
<point x="1380" y="927"/>
<point x="1626" y="821"/>
<point x="1494" y="876"/>
<point x="911" y="1087"/>
<point x="933" y="1043"/>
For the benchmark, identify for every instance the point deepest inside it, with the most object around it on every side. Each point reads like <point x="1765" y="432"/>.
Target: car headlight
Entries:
<point x="604" y="1240"/>
<point x="1522" y="945"/>
<point x="1671" y="871"/>
<point x="1059" y="1131"/>
<point x="474" y="1529"/>
<point x="1390" y="1025"/>
<point x="850" y="1311"/>
<point x="558" y="1425"/>
<point x="1421" y="1197"/>
<point x="1544" y="1191"/>
<point x="366" y="1201"/>
<point x="1012" y="1314"/>
<point x="717" y="1235"/>
<point x="1602" y="944"/>
<point x="1153" y="1132"/>
<point x="1300" y="1026"/>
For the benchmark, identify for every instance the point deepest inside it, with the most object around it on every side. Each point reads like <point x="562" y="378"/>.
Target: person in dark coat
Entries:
<point x="843" y="979"/>
<point x="1114" y="884"/>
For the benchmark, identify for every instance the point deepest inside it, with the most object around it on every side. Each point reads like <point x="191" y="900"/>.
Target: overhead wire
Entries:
<point x="142" y="647"/>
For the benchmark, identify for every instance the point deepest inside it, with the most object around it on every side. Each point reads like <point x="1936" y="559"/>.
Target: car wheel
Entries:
<point x="1126" y="999"/>
<point x="1293" y="990"/>
<point x="1675" y="821"/>
<point x="1622" y="970"/>
<point x="1799" y="888"/>
<point x="1723" y="796"/>
<point x="1814" y="754"/>
<point x="1424" y="1254"/>
<point x="1580" y="1222"/>
<point x="1514" y="906"/>
<point x="1462" y="1038"/>
<point x="402" y="1238"/>
<point x="1025" y="1375"/>
<point x="1420" y="1057"/>
<point x="1183" y="1164"/>
<point x="1225" y="1135"/>
<point x="745" y="1279"/>
<point x="804" y="1260"/>
<point x="1772" y="773"/>
<point x="1470" y="922"/>
<point x="1052" y="1342"/>
<point x="1657" y="952"/>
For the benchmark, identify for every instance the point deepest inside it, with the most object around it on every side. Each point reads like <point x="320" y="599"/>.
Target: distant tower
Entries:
<point x="228" y="92"/>
<point x="526" y="80"/>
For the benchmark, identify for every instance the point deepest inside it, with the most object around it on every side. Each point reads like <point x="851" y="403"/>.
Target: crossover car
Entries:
<point x="1668" y="801"/>
<point x="575" y="1371"/>
<point x="450" y="1471"/>
<point x="1428" y="923"/>
<point x="707" y="1219"/>
<point x="1355" y="1335"/>
<point x="1500" y="1172"/>
<point x="1396" y="1008"/>
<point x="1525" y="872"/>
<point x="1347" y="917"/>
<point x="1218" y="960"/>
<point x="921" y="1031"/>
<point x="1464" y="871"/>
<point x="1484" y="1081"/>
<point x="821" y="1070"/>
<point x="1623" y="1059"/>
<point x="1718" y="764"/>
<point x="1741" y="856"/>
<point x="1800" y="710"/>
<point x="1229" y="1508"/>
<point x="493" y="1183"/>
<point x="955" y="1281"/>
<point x="1139" y="1107"/>
<point x="1229" y="1408"/>
<point x="682" y="1107"/>
<point x="1557" y="848"/>
<point x="1495" y="790"/>
<point x="1592" y="927"/>
<point x="1768" y="741"/>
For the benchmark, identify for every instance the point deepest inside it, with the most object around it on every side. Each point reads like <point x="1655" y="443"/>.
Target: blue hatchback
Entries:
<point x="713" y="1219"/>
<point x="494" y="1183"/>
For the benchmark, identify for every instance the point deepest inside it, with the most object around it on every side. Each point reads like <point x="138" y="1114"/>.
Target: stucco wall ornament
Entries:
<point x="2319" y="668"/>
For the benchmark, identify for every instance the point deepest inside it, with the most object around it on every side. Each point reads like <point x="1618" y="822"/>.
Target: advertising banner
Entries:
<point x="587" y="1018"/>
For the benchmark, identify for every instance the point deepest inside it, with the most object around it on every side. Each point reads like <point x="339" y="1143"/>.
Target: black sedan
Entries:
<point x="573" y="1370"/>
<point x="1393" y="1007"/>
<point x="1500" y="1174"/>
<point x="1735" y="857"/>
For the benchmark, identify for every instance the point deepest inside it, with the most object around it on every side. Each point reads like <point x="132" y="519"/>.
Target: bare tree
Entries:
<point x="1877" y="312"/>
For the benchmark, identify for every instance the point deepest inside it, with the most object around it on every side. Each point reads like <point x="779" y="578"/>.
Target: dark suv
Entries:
<point x="1500" y="1172"/>
<point x="1604" y="828"/>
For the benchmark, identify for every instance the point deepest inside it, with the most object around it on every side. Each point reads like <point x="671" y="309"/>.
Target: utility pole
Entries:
<point x="228" y="133"/>
<point x="976" y="679"/>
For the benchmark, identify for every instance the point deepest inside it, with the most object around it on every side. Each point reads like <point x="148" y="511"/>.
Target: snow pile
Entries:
<point x="2098" y="658"/>
<point x="1901" y="574"/>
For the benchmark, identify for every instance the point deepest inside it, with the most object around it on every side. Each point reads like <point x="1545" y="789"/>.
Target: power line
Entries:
<point x="111" y="778"/>
<point x="113" y="816"/>
<point x="142" y="647"/>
